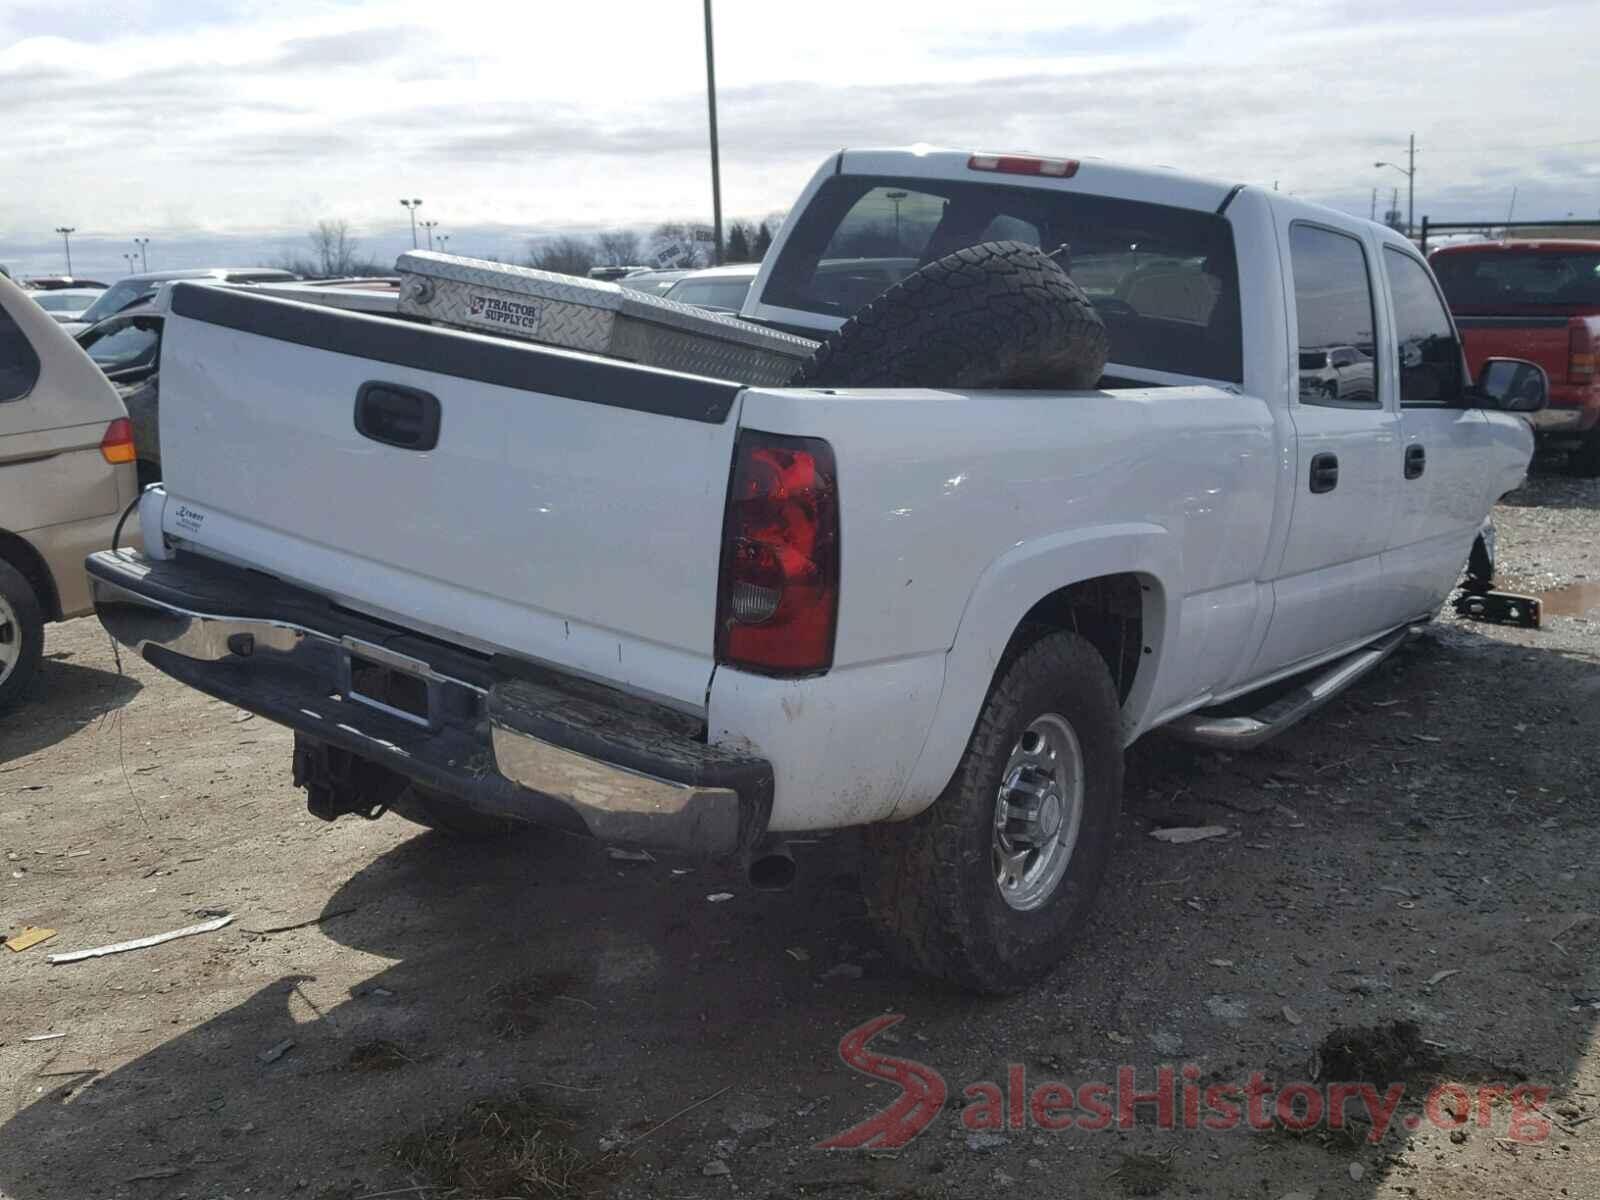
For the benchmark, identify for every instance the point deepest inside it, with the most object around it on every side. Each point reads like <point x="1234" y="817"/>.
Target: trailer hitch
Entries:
<point x="338" y="782"/>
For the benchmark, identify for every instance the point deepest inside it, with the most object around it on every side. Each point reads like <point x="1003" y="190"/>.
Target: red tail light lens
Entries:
<point x="1580" y="353"/>
<point x="778" y="594"/>
<point x="117" y="444"/>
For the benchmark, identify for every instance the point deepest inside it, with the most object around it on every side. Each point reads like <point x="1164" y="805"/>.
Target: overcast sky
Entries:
<point x="217" y="123"/>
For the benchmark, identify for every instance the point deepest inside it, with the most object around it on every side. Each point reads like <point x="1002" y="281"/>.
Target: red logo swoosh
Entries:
<point x="922" y="1092"/>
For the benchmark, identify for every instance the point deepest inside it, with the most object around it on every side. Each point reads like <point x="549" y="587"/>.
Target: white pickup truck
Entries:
<point x="683" y="612"/>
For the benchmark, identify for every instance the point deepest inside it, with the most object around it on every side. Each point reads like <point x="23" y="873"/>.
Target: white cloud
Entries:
<point x="248" y="115"/>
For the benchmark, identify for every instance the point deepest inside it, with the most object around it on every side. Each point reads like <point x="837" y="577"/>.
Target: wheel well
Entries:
<point x="21" y="555"/>
<point x="1108" y="611"/>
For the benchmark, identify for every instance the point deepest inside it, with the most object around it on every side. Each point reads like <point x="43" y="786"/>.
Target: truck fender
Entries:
<point x="1003" y="595"/>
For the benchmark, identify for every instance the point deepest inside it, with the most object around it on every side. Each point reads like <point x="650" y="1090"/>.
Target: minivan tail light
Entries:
<point x="778" y="590"/>
<point x="1020" y="164"/>
<point x="1580" y="353"/>
<point x="117" y="444"/>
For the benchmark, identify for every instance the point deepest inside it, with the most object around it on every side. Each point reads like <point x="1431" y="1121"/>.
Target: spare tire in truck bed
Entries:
<point x="995" y="315"/>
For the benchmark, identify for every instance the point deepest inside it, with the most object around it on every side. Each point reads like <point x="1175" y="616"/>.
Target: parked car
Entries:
<point x="721" y="289"/>
<point x="51" y="283"/>
<point x="1337" y="373"/>
<point x="653" y="282"/>
<point x="941" y="613"/>
<point x="1538" y="300"/>
<point x="67" y="304"/>
<point x="66" y="475"/>
<point x="125" y="293"/>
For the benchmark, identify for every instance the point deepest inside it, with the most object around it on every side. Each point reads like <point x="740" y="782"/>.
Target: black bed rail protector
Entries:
<point x="477" y="357"/>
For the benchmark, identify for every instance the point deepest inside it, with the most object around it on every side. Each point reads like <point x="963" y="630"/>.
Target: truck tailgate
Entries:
<point x="1539" y="339"/>
<point x="570" y="511"/>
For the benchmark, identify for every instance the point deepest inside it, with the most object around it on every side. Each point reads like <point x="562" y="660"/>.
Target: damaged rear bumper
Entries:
<point x="501" y="736"/>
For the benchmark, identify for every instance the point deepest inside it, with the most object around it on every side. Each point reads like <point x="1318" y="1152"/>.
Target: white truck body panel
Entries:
<point x="586" y="535"/>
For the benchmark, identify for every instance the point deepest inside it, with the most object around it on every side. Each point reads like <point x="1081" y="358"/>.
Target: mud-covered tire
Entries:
<point x="438" y="812"/>
<point x="21" y="634"/>
<point x="1584" y="462"/>
<point x="931" y="883"/>
<point x="995" y="315"/>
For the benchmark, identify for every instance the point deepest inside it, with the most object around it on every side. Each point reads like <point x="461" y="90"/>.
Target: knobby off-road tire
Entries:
<point x="21" y="634"/>
<point x="428" y="808"/>
<point x="931" y="882"/>
<point x="995" y="315"/>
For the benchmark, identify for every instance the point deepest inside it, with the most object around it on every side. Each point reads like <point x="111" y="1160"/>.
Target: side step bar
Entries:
<point x="1240" y="733"/>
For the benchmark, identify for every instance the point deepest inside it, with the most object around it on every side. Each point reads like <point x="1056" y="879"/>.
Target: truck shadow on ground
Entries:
<point x="63" y="698"/>
<point x="1385" y="839"/>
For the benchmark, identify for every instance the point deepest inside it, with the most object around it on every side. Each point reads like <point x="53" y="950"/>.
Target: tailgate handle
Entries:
<point x="397" y="415"/>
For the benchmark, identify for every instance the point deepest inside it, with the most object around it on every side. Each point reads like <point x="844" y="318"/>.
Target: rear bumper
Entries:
<point x="502" y="737"/>
<point x="1574" y="409"/>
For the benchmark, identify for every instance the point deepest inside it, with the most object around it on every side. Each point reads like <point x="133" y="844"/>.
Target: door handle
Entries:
<point x="398" y="416"/>
<point x="1324" y="472"/>
<point x="1416" y="461"/>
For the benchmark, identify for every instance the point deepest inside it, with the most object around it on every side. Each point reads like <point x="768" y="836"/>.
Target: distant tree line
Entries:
<point x="334" y="254"/>
<point x="691" y="245"/>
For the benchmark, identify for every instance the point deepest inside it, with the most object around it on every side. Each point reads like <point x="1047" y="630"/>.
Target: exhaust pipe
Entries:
<point x="772" y="868"/>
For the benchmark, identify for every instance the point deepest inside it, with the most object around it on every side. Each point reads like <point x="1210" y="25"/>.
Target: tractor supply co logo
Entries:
<point x="1174" y="1099"/>
<point x="514" y="313"/>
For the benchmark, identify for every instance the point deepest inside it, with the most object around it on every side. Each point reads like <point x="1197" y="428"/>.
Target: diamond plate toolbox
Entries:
<point x="594" y="316"/>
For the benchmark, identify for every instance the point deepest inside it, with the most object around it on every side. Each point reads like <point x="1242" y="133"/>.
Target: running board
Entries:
<point x="1240" y="733"/>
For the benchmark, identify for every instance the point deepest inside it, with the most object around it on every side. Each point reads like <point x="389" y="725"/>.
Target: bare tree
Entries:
<point x="333" y="253"/>
<point x="565" y="255"/>
<point x="619" y="248"/>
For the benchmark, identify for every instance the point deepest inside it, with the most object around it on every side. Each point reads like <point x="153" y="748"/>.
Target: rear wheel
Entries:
<point x="987" y="888"/>
<point x="438" y="812"/>
<point x="21" y="634"/>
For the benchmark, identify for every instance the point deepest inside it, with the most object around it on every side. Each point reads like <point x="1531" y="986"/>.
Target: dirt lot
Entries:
<point x="1440" y="818"/>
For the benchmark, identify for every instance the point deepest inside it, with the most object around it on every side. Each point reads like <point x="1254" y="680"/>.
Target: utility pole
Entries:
<point x="1513" y="207"/>
<point x="66" y="232"/>
<point x="895" y="198"/>
<point x="144" y="260"/>
<point x="1410" y="172"/>
<point x="1373" y="215"/>
<point x="411" y="207"/>
<point x="716" y="168"/>
<point x="430" y="226"/>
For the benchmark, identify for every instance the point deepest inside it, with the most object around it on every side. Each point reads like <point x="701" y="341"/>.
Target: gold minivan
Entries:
<point x="66" y="476"/>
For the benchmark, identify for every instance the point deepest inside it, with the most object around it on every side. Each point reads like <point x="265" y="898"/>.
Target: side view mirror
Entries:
<point x="1513" y="385"/>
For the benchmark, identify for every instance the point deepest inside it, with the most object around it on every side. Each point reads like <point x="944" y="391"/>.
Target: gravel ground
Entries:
<point x="388" y="1004"/>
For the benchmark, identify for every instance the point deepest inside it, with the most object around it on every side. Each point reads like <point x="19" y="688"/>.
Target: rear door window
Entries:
<point x="1165" y="280"/>
<point x="19" y="362"/>
<point x="1333" y="303"/>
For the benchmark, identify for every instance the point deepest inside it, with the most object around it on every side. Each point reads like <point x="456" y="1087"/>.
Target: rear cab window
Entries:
<point x="1165" y="280"/>
<point x="1535" y="280"/>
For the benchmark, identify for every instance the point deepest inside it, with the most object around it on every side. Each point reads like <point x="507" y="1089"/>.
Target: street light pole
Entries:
<point x="66" y="232"/>
<point x="128" y="256"/>
<point x="716" y="168"/>
<point x="443" y="238"/>
<point x="430" y="226"/>
<point x="1410" y="172"/>
<point x="144" y="260"/>
<point x="411" y="207"/>
<point x="895" y="198"/>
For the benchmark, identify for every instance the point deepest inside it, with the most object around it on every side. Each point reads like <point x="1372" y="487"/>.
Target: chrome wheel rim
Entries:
<point x="10" y="639"/>
<point x="1038" y="811"/>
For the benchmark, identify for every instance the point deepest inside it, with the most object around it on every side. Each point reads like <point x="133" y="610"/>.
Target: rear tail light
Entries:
<point x="1580" y="353"/>
<point x="778" y="593"/>
<point x="1019" y="164"/>
<point x="117" y="444"/>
